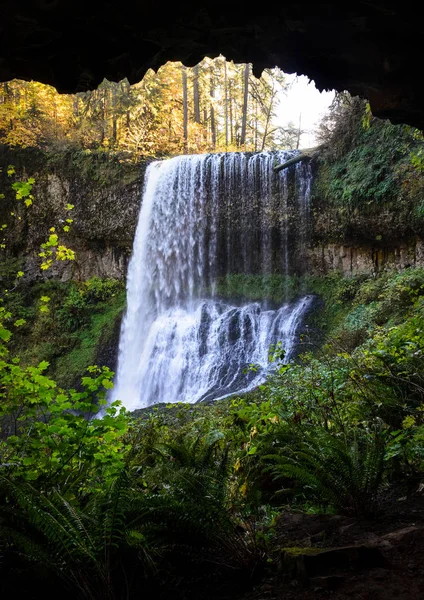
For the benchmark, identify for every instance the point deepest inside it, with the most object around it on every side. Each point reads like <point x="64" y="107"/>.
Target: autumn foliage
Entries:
<point x="214" y="106"/>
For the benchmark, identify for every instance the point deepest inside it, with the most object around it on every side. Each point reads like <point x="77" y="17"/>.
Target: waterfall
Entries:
<point x="204" y="218"/>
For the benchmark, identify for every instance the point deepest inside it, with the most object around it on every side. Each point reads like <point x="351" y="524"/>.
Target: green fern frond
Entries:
<point x="344" y="472"/>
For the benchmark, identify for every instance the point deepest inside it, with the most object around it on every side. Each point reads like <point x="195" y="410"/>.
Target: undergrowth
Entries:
<point x="368" y="176"/>
<point x="192" y="492"/>
<point x="77" y="321"/>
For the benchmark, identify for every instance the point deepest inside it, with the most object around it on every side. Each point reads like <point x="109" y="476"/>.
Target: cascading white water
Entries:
<point x="202" y="217"/>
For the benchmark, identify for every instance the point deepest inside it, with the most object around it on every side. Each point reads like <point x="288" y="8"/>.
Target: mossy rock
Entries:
<point x="304" y="563"/>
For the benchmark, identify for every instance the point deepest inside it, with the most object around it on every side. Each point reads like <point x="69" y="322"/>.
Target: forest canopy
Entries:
<point x="214" y="106"/>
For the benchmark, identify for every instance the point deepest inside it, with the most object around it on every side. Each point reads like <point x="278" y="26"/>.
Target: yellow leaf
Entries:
<point x="408" y="422"/>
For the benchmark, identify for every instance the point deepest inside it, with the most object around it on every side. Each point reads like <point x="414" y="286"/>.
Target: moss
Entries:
<point x="366" y="186"/>
<point x="99" y="167"/>
<point x="180" y="414"/>
<point x="353" y="308"/>
<point x="102" y="167"/>
<point x="273" y="287"/>
<point x="88" y="342"/>
<point x="296" y="551"/>
<point x="81" y="320"/>
<point x="9" y="268"/>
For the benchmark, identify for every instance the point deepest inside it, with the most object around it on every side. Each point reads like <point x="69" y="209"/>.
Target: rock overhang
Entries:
<point x="372" y="49"/>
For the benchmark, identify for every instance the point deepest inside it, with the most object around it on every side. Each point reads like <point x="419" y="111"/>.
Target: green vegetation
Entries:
<point x="275" y="287"/>
<point x="96" y="503"/>
<point x="369" y="167"/>
<point x="173" y="491"/>
<point x="96" y="167"/>
<point x="77" y="321"/>
<point x="351" y="305"/>
<point x="103" y="167"/>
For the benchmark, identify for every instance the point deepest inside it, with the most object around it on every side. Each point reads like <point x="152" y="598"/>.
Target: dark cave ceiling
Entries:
<point x="372" y="49"/>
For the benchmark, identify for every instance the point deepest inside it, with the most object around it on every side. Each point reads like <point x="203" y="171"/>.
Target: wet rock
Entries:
<point x="404" y="536"/>
<point x="305" y="563"/>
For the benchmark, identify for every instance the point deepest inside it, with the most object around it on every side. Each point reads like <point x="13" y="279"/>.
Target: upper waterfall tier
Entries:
<point x="202" y="218"/>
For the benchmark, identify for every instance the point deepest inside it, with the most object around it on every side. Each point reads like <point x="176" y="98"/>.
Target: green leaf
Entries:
<point x="5" y="334"/>
<point x="53" y="239"/>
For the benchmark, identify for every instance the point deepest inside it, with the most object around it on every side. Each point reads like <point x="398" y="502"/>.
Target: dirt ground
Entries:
<point x="346" y="558"/>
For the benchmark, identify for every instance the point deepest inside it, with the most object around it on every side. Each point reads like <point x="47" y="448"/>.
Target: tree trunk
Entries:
<point x="196" y="94"/>
<point x="268" y="119"/>
<point x="256" y="126"/>
<point x="212" y="93"/>
<point x="245" y="99"/>
<point x="114" y="119"/>
<point x="226" y="103"/>
<point x="127" y="91"/>
<point x="6" y="92"/>
<point x="76" y="107"/>
<point x="306" y="154"/>
<point x="231" y="112"/>
<point x="185" y="107"/>
<point x="102" y="95"/>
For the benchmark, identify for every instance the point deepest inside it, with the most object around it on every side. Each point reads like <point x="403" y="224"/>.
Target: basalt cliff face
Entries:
<point x="106" y="197"/>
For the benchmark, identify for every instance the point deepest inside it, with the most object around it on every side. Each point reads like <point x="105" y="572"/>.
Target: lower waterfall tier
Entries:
<point x="204" y="352"/>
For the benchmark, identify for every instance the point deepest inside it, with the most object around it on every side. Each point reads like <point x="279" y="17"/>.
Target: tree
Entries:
<point x="212" y="106"/>
<point x="185" y="106"/>
<point x="196" y="94"/>
<point x="245" y="102"/>
<point x="230" y="110"/>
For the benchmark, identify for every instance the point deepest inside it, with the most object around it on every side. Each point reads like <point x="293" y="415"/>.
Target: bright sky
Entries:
<point x="303" y="99"/>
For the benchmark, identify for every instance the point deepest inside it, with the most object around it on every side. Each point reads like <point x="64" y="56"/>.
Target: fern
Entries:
<point x="83" y="546"/>
<point x="343" y="472"/>
<point x="191" y="510"/>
